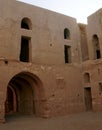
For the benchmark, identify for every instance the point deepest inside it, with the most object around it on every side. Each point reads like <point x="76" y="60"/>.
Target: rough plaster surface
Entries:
<point x="55" y="88"/>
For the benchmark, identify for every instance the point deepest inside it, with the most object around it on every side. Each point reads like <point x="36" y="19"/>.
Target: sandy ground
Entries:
<point x="82" y="121"/>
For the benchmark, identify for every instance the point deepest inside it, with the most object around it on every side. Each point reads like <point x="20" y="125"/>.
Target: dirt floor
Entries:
<point x="82" y="121"/>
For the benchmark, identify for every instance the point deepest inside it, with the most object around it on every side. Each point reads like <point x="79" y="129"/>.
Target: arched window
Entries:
<point x="87" y="78"/>
<point x="26" y="23"/>
<point x="66" y="33"/>
<point x="96" y="47"/>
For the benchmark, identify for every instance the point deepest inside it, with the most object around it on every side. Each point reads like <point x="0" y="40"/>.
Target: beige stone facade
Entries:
<point x="92" y="68"/>
<point x="46" y="62"/>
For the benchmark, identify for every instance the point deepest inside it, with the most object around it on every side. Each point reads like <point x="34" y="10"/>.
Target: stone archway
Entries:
<point x="24" y="95"/>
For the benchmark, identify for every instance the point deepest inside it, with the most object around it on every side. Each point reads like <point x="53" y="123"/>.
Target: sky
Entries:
<point x="79" y="9"/>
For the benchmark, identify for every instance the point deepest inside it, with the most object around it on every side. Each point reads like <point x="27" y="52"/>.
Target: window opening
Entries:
<point x="98" y="56"/>
<point x="97" y="53"/>
<point x="24" y="54"/>
<point x="66" y="33"/>
<point x="67" y="52"/>
<point x="26" y="23"/>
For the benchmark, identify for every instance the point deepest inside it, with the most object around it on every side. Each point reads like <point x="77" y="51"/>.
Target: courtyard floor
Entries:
<point x="82" y="121"/>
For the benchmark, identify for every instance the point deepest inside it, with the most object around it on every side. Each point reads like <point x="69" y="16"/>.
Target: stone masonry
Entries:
<point x="49" y="64"/>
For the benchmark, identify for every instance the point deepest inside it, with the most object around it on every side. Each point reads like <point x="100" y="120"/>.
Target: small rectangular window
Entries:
<point x="67" y="53"/>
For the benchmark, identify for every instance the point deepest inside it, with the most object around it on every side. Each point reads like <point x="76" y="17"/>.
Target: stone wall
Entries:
<point x="58" y="61"/>
<point x="94" y="65"/>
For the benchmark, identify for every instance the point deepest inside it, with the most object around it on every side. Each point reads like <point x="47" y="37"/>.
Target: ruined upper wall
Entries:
<point x="47" y="33"/>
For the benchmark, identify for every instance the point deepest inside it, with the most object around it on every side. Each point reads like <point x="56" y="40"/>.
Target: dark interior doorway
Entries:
<point x="88" y="98"/>
<point x="24" y="95"/>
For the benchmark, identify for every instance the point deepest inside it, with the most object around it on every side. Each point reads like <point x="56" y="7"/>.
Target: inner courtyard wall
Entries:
<point x="61" y="95"/>
<point x="65" y="81"/>
<point x="62" y="85"/>
<point x="47" y="34"/>
<point x="93" y="66"/>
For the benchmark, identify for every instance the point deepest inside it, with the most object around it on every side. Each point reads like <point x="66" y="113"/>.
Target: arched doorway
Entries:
<point x="24" y="94"/>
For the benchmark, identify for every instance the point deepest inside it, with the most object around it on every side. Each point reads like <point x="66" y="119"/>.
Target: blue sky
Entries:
<point x="79" y="9"/>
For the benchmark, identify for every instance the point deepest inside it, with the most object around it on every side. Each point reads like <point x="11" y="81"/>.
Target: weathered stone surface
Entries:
<point x="34" y="46"/>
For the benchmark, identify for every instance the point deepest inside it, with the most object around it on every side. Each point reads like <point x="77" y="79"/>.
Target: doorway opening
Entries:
<point x="88" y="98"/>
<point x="24" y="95"/>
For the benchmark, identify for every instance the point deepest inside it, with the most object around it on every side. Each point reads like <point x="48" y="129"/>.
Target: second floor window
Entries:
<point x="66" y="33"/>
<point x="26" y="24"/>
<point x="67" y="54"/>
<point x="96" y="47"/>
